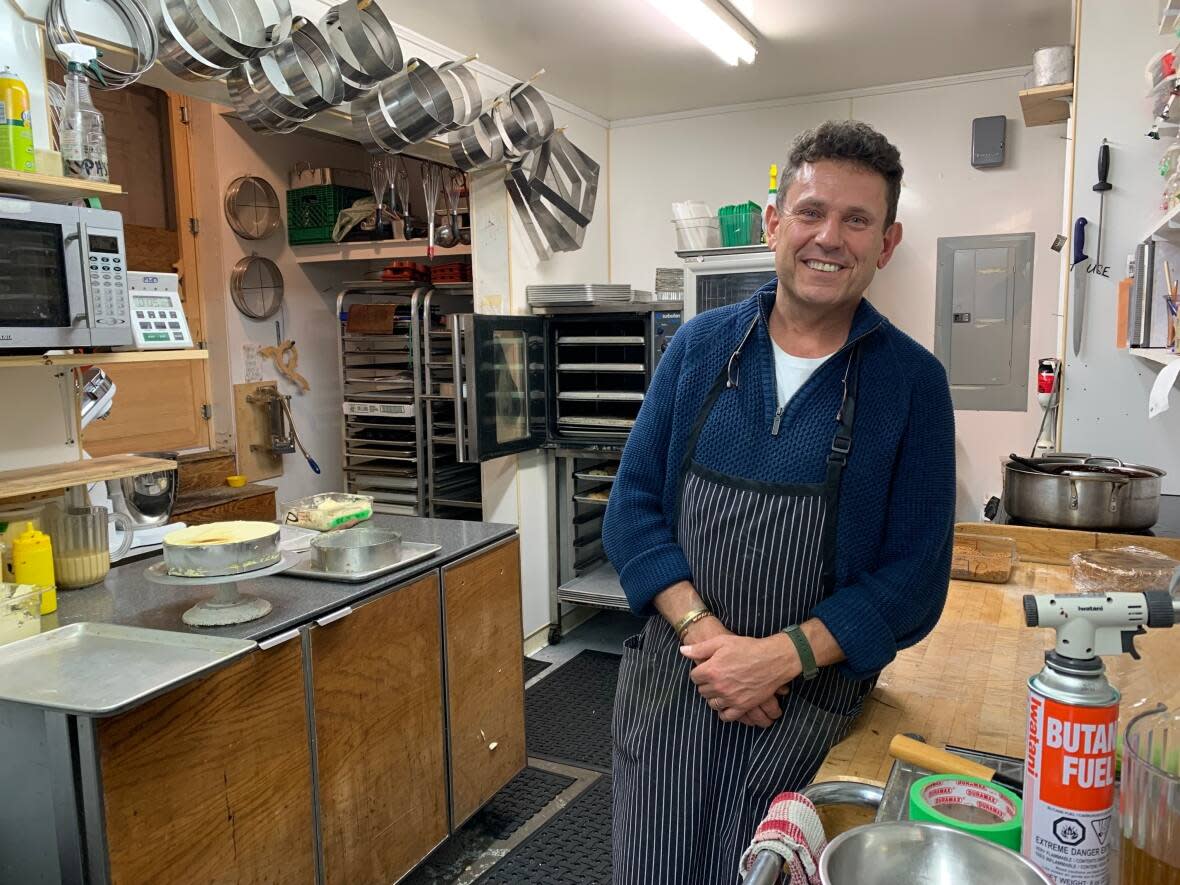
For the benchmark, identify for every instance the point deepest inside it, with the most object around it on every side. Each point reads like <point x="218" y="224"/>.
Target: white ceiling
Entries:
<point x="622" y="58"/>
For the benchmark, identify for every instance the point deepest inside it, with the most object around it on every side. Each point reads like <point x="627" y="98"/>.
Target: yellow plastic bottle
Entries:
<point x="16" y="128"/>
<point x="32" y="563"/>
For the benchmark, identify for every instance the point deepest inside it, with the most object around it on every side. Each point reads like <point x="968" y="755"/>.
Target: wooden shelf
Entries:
<point x="1154" y="354"/>
<point x="103" y="359"/>
<point x="53" y="188"/>
<point x="387" y="250"/>
<point x="32" y="480"/>
<point x="1044" y="105"/>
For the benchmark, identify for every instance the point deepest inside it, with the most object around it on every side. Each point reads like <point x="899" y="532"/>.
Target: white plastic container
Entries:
<point x="697" y="233"/>
<point x="327" y="511"/>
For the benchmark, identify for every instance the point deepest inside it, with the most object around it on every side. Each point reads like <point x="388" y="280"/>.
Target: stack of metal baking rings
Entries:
<point x="279" y="91"/>
<point x="207" y="40"/>
<point x="403" y="110"/>
<point x="554" y="190"/>
<point x="140" y="28"/>
<point x="366" y="47"/>
<point x="524" y="119"/>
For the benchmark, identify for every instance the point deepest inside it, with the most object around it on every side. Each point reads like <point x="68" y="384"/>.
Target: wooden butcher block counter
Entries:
<point x="966" y="684"/>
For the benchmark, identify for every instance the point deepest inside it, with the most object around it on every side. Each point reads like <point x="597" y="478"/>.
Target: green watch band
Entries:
<point x="806" y="655"/>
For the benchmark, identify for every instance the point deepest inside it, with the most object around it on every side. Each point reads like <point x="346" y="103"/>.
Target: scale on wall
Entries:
<point x="157" y="315"/>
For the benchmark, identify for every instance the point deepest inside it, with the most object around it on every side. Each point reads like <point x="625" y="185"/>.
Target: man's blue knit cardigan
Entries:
<point x="897" y="499"/>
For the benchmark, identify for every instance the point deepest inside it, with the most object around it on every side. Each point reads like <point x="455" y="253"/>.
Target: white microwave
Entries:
<point x="717" y="277"/>
<point x="63" y="277"/>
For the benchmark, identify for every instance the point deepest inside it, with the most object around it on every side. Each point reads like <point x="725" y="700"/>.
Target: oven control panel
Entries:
<point x="664" y="326"/>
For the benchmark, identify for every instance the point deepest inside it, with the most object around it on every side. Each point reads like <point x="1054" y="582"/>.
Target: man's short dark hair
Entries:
<point x="851" y="142"/>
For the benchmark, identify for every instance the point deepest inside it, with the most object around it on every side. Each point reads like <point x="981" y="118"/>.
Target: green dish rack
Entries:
<point x="312" y="211"/>
<point x="741" y="224"/>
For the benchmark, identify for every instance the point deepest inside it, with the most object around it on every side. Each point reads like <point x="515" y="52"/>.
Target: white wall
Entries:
<point x="722" y="157"/>
<point x="1105" y="401"/>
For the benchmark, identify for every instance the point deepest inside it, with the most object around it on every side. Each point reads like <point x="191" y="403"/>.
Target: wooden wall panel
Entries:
<point x="379" y="732"/>
<point x="485" y="678"/>
<point x="211" y="782"/>
<point x="157" y="407"/>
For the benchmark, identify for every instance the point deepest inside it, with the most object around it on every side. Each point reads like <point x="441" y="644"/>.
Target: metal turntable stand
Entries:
<point x="230" y="605"/>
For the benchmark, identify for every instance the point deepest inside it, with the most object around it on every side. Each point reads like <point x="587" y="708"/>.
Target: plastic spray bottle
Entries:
<point x="81" y="137"/>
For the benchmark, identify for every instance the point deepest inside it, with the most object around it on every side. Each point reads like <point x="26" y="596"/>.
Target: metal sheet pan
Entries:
<point x="104" y="669"/>
<point x="412" y="551"/>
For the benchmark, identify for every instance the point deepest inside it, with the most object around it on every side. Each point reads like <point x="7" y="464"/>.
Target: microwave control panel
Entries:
<point x="157" y="316"/>
<point x="106" y="265"/>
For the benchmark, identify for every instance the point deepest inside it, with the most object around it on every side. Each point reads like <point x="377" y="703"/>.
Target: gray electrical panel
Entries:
<point x="983" y="318"/>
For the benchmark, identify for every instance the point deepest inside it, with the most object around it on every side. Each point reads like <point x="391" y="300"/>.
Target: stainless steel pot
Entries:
<point x="1092" y="494"/>
<point x="908" y="851"/>
<point x="353" y="551"/>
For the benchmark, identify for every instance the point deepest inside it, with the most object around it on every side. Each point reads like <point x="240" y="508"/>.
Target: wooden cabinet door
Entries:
<point x="211" y="782"/>
<point x="485" y="676"/>
<point x="379" y="735"/>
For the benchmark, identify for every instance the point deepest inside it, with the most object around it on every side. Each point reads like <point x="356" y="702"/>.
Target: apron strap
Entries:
<point x="726" y="379"/>
<point x="837" y="461"/>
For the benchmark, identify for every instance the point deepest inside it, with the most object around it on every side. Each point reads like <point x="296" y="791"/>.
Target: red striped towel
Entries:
<point x="792" y="830"/>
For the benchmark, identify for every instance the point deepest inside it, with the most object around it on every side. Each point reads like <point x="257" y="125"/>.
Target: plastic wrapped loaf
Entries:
<point x="1128" y="569"/>
<point x="983" y="558"/>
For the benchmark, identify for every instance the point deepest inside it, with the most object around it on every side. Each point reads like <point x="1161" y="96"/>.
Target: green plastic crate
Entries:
<point x="312" y="211"/>
<point x="741" y="225"/>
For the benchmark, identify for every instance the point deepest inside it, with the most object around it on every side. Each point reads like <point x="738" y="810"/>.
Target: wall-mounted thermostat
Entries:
<point x="157" y="316"/>
<point x="987" y="141"/>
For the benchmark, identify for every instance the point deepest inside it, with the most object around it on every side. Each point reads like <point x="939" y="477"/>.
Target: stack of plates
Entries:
<point x="669" y="282"/>
<point x="555" y="295"/>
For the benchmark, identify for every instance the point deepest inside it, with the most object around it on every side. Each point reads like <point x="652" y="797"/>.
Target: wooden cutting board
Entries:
<point x="966" y="684"/>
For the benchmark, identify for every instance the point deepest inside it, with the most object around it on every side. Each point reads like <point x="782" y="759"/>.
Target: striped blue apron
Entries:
<point x="689" y="789"/>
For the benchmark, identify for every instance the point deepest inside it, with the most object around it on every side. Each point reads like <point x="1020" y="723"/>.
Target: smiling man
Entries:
<point x="783" y="514"/>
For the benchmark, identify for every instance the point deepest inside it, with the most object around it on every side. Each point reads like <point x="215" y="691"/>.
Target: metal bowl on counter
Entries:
<point x="1083" y="492"/>
<point x="356" y="550"/>
<point x="148" y="498"/>
<point x="904" y="852"/>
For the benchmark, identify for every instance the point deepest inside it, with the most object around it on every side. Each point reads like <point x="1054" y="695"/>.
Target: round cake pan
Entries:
<point x="213" y="560"/>
<point x="353" y="551"/>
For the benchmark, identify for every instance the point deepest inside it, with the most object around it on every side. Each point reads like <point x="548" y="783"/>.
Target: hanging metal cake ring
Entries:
<point x="366" y="47"/>
<point x="478" y="146"/>
<point x="309" y="66"/>
<point x="239" y="29"/>
<point x="177" y="53"/>
<point x="259" y="102"/>
<point x="464" y="90"/>
<point x="565" y="177"/>
<point x="417" y="102"/>
<point x="524" y="119"/>
<point x="373" y="126"/>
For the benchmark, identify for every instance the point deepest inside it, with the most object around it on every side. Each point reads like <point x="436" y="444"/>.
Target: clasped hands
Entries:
<point x="739" y="677"/>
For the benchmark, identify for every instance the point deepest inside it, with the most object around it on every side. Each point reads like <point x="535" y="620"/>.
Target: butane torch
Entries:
<point x="1073" y="715"/>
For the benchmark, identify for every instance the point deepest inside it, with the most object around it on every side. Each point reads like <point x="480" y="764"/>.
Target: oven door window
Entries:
<point x="721" y="289"/>
<point x="33" y="288"/>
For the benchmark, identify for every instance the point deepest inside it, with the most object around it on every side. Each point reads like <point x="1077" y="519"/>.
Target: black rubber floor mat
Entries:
<point x="572" y="849"/>
<point x="532" y="667"/>
<point x="521" y="798"/>
<point x="508" y="811"/>
<point x="568" y="713"/>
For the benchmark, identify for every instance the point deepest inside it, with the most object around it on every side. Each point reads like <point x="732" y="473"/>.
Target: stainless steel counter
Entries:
<point x="127" y="598"/>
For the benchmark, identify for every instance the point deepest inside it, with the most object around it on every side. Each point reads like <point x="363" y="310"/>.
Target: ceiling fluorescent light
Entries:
<point x="712" y="25"/>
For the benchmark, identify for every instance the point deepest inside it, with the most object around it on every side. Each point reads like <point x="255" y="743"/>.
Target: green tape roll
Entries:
<point x="970" y="804"/>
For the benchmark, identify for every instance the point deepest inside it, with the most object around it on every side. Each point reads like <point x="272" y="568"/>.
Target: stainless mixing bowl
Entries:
<point x="147" y="499"/>
<point x="908" y="852"/>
